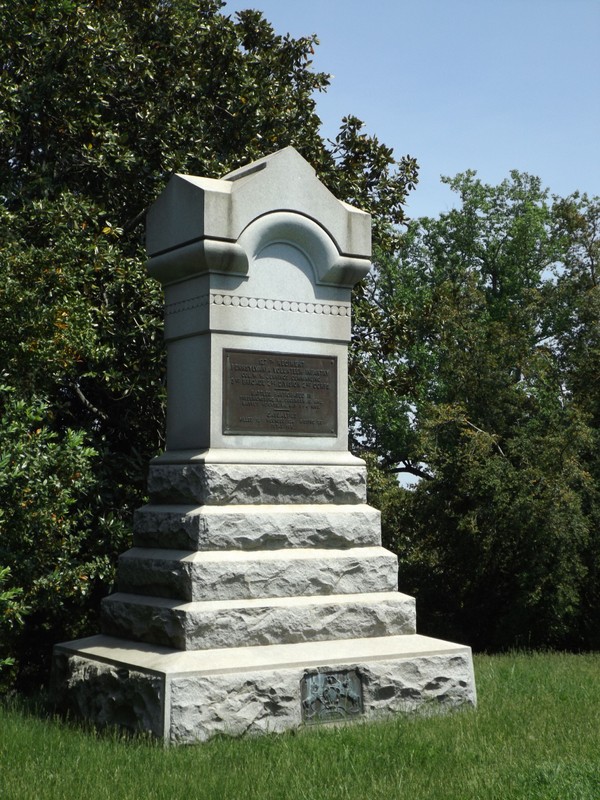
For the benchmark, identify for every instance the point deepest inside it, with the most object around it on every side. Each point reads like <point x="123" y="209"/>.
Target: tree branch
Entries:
<point x="485" y="433"/>
<point x="411" y="470"/>
<point x="87" y="403"/>
<point x="133" y="223"/>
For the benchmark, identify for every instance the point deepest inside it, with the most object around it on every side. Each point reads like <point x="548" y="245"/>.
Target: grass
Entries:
<point x="535" y="735"/>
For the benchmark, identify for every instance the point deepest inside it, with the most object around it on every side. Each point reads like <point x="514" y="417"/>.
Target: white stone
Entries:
<point x="195" y="365"/>
<point x="261" y="457"/>
<point x="280" y="287"/>
<point x="237" y="574"/>
<point x="193" y="695"/>
<point x="194" y="208"/>
<point x="246" y="484"/>
<point x="215" y="624"/>
<point x="242" y="272"/>
<point x="255" y="527"/>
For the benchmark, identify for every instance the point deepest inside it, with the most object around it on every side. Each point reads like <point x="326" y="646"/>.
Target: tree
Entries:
<point x="101" y="101"/>
<point x="481" y="345"/>
<point x="576" y="312"/>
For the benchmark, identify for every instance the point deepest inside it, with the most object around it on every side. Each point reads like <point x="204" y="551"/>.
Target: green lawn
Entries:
<point x="535" y="734"/>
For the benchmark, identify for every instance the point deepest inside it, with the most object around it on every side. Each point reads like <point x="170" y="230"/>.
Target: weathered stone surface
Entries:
<point x="253" y="690"/>
<point x="214" y="624"/>
<point x="108" y="694"/>
<point x="262" y="527"/>
<point x="425" y="684"/>
<point x="236" y="574"/>
<point x="241" y="484"/>
<point x="269" y="702"/>
<point x="263" y="702"/>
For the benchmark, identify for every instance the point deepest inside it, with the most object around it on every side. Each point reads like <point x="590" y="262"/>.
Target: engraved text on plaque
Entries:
<point x="273" y="394"/>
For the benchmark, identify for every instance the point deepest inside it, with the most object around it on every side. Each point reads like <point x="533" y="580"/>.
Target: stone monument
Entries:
<point x="257" y="596"/>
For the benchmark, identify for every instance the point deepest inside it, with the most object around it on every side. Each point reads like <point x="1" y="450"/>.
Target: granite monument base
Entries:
<point x="254" y="616"/>
<point x="186" y="697"/>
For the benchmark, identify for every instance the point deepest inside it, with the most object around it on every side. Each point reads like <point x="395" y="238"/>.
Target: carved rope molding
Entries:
<point x="263" y="304"/>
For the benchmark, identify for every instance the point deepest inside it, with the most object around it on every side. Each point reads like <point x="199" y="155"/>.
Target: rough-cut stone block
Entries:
<point x="194" y="695"/>
<point x="238" y="574"/>
<point x="421" y="684"/>
<point x="250" y="484"/>
<point x="261" y="702"/>
<point x="268" y="702"/>
<point x="215" y="624"/>
<point x="261" y="527"/>
<point x="108" y="693"/>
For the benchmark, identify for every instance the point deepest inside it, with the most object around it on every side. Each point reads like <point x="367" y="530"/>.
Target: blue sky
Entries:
<point x="491" y="85"/>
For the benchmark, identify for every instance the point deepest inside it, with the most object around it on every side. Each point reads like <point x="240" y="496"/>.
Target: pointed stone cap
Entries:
<point x="193" y="209"/>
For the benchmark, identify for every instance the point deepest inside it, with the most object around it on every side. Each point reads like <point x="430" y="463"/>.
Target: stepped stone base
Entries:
<point x="257" y="484"/>
<point x="237" y="574"/>
<point x="262" y="621"/>
<point x="186" y="697"/>
<point x="261" y="527"/>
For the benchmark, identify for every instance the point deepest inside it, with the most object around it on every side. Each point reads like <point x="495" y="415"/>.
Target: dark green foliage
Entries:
<point x="100" y="102"/>
<point x="483" y="340"/>
<point x="49" y="534"/>
<point x="476" y="356"/>
<point x="11" y="620"/>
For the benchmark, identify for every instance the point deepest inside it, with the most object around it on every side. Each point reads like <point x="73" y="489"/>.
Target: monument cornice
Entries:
<point x="193" y="208"/>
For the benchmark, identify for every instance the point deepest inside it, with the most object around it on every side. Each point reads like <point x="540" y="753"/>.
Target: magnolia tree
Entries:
<point x="101" y="101"/>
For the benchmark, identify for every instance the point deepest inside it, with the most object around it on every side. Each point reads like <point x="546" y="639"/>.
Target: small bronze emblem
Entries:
<point x="331" y="696"/>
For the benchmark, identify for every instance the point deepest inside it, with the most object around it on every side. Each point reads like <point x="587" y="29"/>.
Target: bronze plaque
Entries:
<point x="279" y="394"/>
<point x="331" y="696"/>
